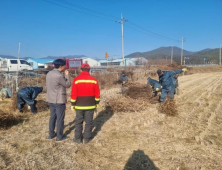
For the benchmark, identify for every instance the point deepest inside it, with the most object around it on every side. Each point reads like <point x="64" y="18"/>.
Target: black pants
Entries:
<point x="87" y="116"/>
<point x="57" y="114"/>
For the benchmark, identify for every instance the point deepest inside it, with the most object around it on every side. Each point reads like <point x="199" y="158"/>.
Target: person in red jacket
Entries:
<point x="85" y="97"/>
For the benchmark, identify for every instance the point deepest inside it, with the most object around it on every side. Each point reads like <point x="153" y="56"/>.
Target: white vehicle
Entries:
<point x="13" y="65"/>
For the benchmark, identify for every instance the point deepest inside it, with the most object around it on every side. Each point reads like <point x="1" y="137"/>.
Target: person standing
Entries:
<point x="124" y="79"/>
<point x="85" y="97"/>
<point x="57" y="80"/>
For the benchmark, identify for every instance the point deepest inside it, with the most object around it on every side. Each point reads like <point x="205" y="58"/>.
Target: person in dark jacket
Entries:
<point x="155" y="85"/>
<point x="167" y="80"/>
<point x="28" y="95"/>
<point x="124" y="77"/>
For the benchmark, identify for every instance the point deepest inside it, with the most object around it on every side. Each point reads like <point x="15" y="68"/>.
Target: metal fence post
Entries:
<point x="37" y="79"/>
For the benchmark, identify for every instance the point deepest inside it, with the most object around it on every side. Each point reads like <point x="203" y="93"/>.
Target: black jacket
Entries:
<point x="30" y="92"/>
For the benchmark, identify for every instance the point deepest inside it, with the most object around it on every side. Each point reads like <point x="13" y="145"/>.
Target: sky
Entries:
<point x="89" y="27"/>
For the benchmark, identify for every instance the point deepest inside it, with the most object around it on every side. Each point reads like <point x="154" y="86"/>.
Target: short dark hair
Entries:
<point x="59" y="62"/>
<point x="85" y="69"/>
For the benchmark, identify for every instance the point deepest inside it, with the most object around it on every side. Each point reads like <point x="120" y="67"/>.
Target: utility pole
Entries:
<point x="172" y="55"/>
<point x="182" y="40"/>
<point x="18" y="56"/>
<point x="16" y="78"/>
<point x="220" y="54"/>
<point x="121" y="21"/>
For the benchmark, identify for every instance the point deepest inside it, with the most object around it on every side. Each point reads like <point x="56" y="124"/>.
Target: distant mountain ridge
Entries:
<point x="68" y="56"/>
<point x="49" y="57"/>
<point x="160" y="52"/>
<point x="199" y="57"/>
<point x="7" y="56"/>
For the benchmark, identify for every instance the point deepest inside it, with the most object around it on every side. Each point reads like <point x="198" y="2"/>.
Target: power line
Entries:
<point x="78" y="10"/>
<point x="29" y="49"/>
<point x="158" y="35"/>
<point x="96" y="13"/>
<point x="86" y="9"/>
<point x="150" y="34"/>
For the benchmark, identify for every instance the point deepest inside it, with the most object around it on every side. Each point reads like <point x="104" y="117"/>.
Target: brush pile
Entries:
<point x="138" y="91"/>
<point x="106" y="80"/>
<point x="32" y="82"/>
<point x="42" y="106"/>
<point x="168" y="108"/>
<point x="137" y="98"/>
<point x="8" y="119"/>
<point x="126" y="104"/>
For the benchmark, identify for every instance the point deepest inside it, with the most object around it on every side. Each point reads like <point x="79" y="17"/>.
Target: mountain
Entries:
<point x="69" y="56"/>
<point x="204" y="56"/>
<point x="161" y="52"/>
<point x="210" y="55"/>
<point x="7" y="56"/>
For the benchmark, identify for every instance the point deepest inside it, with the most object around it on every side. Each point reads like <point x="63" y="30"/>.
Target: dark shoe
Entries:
<point x="85" y="141"/>
<point x="78" y="141"/>
<point x="63" y="138"/>
<point x="33" y="110"/>
<point x="51" y="137"/>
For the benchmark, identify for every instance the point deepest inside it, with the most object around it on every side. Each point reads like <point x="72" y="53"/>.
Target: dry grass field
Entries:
<point x="140" y="140"/>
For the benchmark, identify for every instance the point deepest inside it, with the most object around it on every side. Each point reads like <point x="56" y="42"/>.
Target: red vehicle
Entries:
<point x="73" y="63"/>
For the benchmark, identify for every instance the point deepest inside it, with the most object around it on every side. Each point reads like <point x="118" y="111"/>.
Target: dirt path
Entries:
<point x="144" y="140"/>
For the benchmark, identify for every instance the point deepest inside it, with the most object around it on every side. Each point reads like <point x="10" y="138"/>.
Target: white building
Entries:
<point x="91" y="62"/>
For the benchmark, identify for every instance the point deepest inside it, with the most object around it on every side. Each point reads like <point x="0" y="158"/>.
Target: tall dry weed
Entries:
<point x="9" y="119"/>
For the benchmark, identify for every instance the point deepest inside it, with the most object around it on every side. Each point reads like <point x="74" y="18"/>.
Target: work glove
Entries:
<point x="184" y="69"/>
<point x="97" y="105"/>
<point x="73" y="108"/>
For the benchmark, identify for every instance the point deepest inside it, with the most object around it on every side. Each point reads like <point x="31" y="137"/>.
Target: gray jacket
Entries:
<point x="56" y="84"/>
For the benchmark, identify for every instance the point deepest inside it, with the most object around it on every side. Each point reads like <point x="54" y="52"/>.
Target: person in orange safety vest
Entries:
<point x="85" y="98"/>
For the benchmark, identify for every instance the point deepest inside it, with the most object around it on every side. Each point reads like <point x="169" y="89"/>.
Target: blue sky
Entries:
<point x="47" y="29"/>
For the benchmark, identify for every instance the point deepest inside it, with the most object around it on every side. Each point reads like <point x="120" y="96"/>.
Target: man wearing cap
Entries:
<point x="85" y="97"/>
<point x="166" y="79"/>
<point x="57" y="80"/>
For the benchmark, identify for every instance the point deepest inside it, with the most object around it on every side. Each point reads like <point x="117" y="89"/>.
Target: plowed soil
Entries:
<point x="133" y="140"/>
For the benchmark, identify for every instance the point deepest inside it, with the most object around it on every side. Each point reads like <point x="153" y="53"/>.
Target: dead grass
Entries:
<point x="32" y="82"/>
<point x="137" y="98"/>
<point x="42" y="106"/>
<point x="168" y="107"/>
<point x="9" y="119"/>
<point x="126" y="104"/>
<point x="138" y="91"/>
<point x="163" y="142"/>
